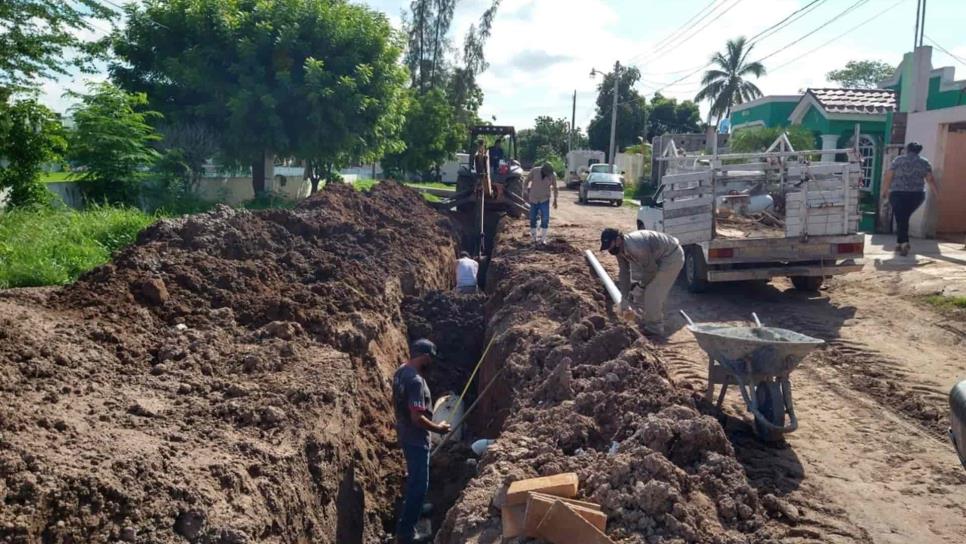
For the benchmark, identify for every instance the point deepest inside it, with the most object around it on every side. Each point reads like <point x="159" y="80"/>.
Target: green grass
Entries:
<point x="55" y="246"/>
<point x="50" y="177"/>
<point x="946" y="303"/>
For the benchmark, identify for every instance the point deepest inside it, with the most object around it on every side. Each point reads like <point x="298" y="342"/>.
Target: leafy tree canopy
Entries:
<point x="431" y="134"/>
<point x="41" y="39"/>
<point x="667" y="115"/>
<point x="861" y="74"/>
<point x="728" y="82"/>
<point x="631" y="111"/>
<point x="317" y="80"/>
<point x="112" y="142"/>
<point x="548" y="133"/>
<point x="30" y="135"/>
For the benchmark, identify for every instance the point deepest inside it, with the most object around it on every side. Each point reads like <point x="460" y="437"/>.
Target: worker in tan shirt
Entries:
<point x="655" y="260"/>
<point x="540" y="183"/>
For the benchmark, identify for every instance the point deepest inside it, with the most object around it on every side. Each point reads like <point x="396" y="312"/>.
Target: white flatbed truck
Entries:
<point x="818" y="237"/>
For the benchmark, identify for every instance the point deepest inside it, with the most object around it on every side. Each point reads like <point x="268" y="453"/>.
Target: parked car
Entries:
<point x="601" y="186"/>
<point x="603" y="168"/>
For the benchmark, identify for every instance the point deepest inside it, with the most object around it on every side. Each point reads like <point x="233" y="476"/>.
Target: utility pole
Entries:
<point x="573" y="119"/>
<point x="920" y="24"/>
<point x="613" y="115"/>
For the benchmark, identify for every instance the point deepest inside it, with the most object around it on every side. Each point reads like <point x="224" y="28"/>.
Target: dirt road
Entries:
<point x="870" y="461"/>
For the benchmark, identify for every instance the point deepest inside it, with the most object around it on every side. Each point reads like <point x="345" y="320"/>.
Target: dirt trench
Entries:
<point x="582" y="391"/>
<point x="224" y="380"/>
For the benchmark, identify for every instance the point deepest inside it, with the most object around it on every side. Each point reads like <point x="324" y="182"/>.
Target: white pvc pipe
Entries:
<point x="612" y="290"/>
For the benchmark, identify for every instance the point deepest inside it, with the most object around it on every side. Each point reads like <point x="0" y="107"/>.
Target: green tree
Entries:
<point x="727" y="84"/>
<point x="757" y="139"/>
<point x="41" y="39"/>
<point x="547" y="132"/>
<point x="30" y="135"/>
<point x="185" y="147"/>
<point x="315" y="80"/>
<point x="112" y="142"/>
<point x="431" y="135"/>
<point x="667" y="115"/>
<point x="861" y="74"/>
<point x="631" y="111"/>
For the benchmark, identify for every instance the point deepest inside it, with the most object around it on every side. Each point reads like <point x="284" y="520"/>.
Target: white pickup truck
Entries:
<point x="813" y="235"/>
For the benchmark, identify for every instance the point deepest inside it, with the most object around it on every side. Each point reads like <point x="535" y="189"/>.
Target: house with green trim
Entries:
<point x="918" y="103"/>
<point x="831" y="115"/>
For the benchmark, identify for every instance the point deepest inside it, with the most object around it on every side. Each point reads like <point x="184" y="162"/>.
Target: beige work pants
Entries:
<point x="651" y="305"/>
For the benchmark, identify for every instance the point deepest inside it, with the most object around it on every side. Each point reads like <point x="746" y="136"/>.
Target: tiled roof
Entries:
<point x="874" y="101"/>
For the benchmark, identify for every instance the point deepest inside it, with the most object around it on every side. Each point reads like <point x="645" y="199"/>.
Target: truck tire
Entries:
<point x="771" y="404"/>
<point x="807" y="283"/>
<point x="695" y="270"/>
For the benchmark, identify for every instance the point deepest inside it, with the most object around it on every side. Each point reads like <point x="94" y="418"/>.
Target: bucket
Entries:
<point x="446" y="409"/>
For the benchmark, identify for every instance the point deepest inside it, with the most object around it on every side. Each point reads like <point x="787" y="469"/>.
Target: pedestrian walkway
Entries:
<point x="938" y="267"/>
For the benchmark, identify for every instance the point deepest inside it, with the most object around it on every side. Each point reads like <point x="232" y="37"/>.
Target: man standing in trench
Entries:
<point x="413" y="404"/>
<point x="655" y="260"/>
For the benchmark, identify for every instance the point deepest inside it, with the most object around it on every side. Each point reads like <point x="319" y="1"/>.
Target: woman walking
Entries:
<point x="905" y="183"/>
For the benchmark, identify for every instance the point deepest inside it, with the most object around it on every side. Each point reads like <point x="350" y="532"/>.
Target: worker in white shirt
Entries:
<point x="466" y="270"/>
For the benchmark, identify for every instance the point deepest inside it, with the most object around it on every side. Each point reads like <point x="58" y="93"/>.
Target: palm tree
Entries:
<point x="726" y="84"/>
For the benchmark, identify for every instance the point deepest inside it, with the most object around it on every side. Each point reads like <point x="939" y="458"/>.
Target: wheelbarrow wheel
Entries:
<point x="771" y="404"/>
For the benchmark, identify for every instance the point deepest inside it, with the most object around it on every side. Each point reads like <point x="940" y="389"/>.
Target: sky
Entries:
<point x="541" y="51"/>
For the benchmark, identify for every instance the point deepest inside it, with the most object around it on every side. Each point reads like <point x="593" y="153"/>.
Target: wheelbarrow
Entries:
<point x="759" y="361"/>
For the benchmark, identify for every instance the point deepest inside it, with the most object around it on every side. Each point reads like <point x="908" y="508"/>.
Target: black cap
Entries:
<point x="607" y="237"/>
<point x="423" y="347"/>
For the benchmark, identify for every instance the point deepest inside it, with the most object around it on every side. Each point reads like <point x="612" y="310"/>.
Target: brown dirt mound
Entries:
<point x="222" y="381"/>
<point x="584" y="392"/>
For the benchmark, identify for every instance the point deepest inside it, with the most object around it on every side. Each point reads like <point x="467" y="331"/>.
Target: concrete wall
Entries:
<point x="632" y="165"/>
<point x="235" y="190"/>
<point x="928" y="128"/>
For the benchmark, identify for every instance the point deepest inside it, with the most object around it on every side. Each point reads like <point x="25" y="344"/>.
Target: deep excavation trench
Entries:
<point x="227" y="380"/>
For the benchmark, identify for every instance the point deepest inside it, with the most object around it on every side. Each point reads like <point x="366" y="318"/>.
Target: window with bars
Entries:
<point x="867" y="149"/>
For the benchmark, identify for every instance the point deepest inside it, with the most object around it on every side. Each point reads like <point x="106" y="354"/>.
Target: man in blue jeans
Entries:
<point x="541" y="182"/>
<point x="413" y="405"/>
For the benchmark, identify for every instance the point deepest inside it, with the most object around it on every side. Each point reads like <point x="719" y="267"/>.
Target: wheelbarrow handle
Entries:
<point x="757" y="321"/>
<point x="687" y="318"/>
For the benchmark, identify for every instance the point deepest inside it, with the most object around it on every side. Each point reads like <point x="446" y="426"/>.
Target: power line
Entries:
<point x="755" y="39"/>
<point x="855" y="5"/>
<point x="676" y="32"/>
<point x="682" y="39"/>
<point x="849" y="31"/>
<point x="944" y="50"/>
<point x="797" y="14"/>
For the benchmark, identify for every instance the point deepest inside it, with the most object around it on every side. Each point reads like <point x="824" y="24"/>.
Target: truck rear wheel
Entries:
<point x="695" y="270"/>
<point x="807" y="283"/>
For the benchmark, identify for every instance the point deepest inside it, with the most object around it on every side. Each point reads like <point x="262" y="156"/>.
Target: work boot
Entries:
<point x="543" y="236"/>
<point x="904" y="249"/>
<point x="533" y="235"/>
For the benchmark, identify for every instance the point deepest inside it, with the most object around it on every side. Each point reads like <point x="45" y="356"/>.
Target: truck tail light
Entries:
<point x="721" y="253"/>
<point x="850" y="248"/>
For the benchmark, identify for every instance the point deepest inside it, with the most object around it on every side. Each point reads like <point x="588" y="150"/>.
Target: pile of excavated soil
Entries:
<point x="224" y="380"/>
<point x="584" y="392"/>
